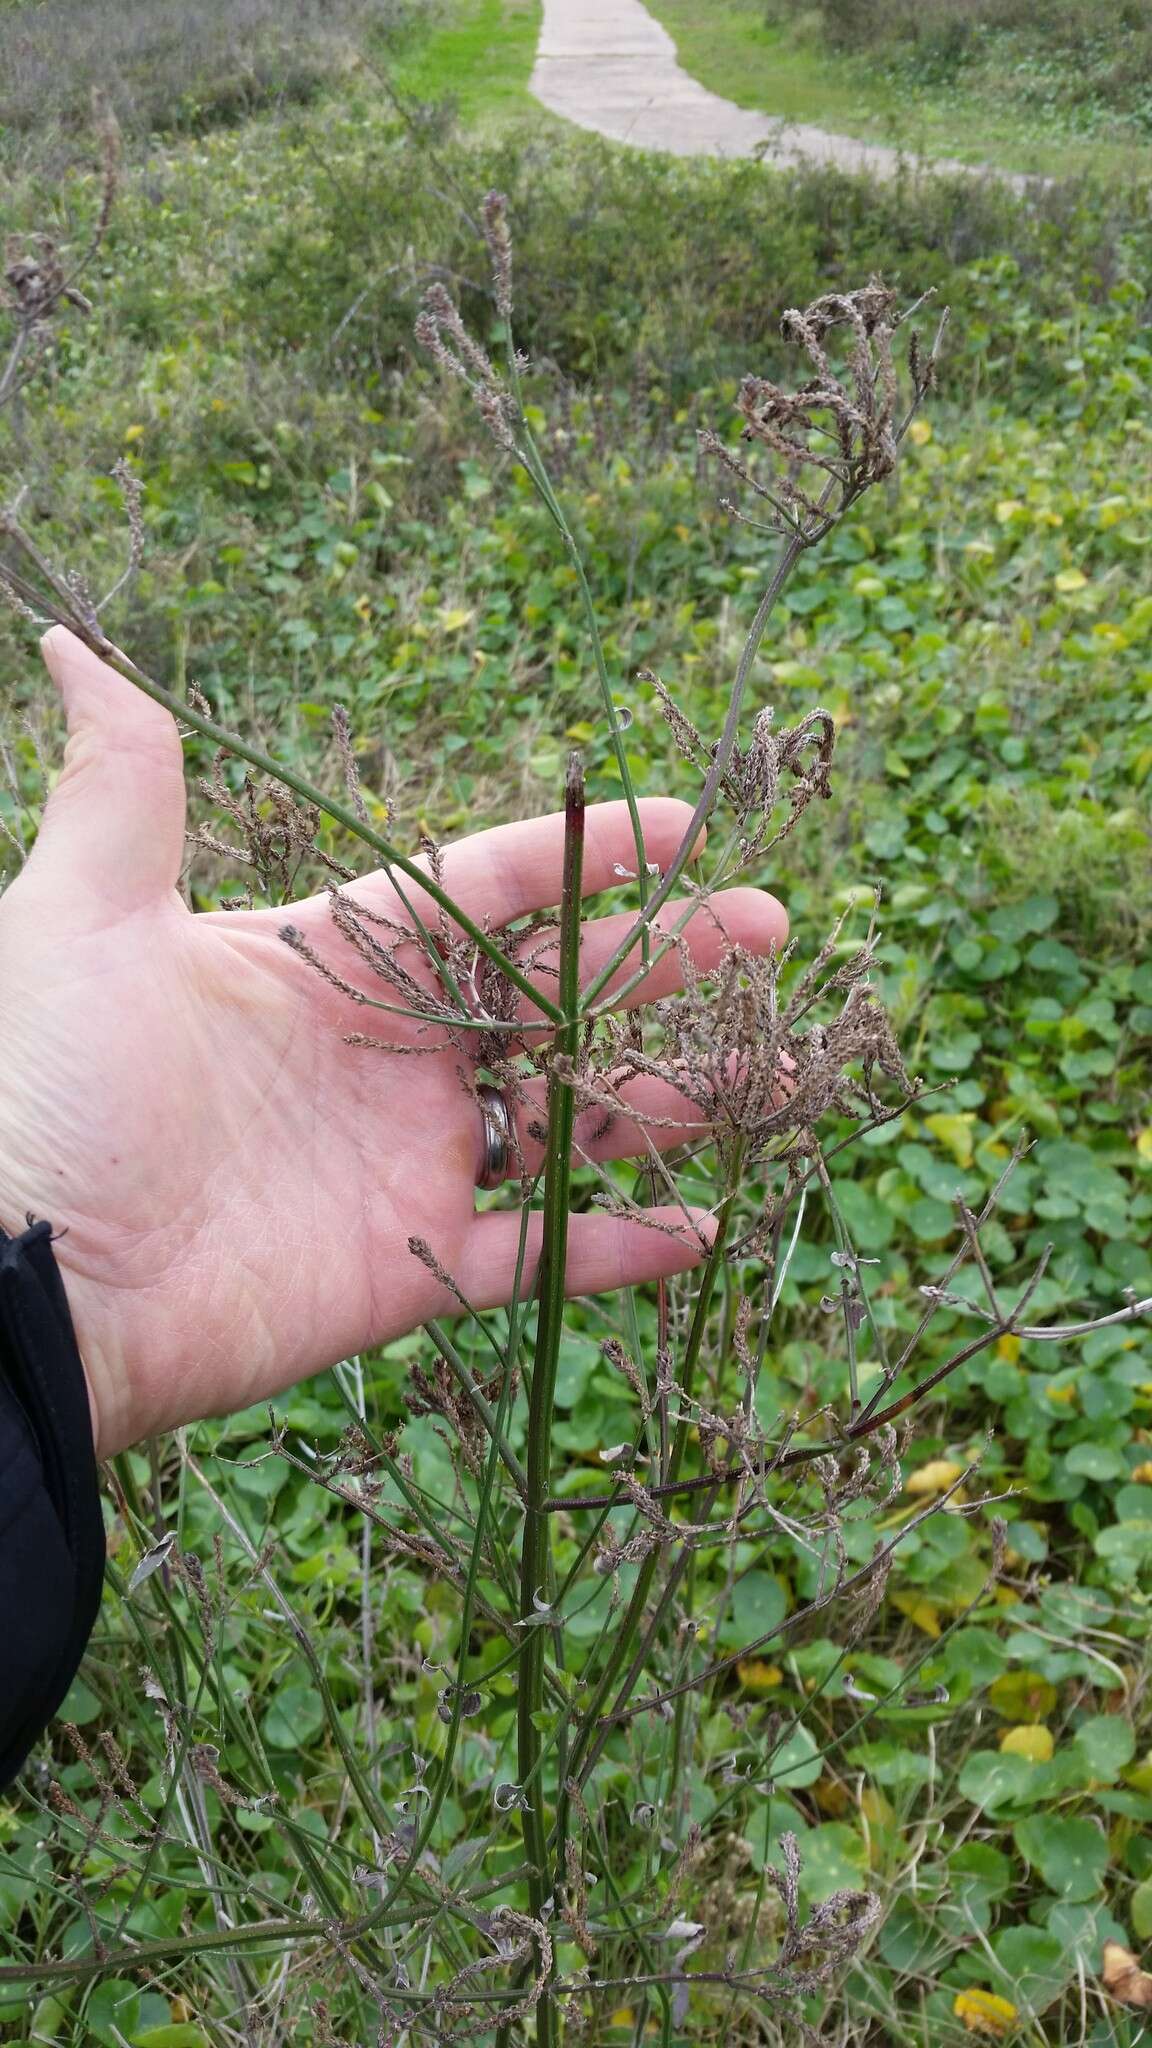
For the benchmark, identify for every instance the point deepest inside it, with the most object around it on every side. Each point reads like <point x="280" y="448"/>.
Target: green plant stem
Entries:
<point x="483" y="1507"/>
<point x="536" y="469"/>
<point x="789" y="555"/>
<point x="589" y="1741"/>
<point x="702" y="1309"/>
<point x="536" y="1549"/>
<point x="481" y="1405"/>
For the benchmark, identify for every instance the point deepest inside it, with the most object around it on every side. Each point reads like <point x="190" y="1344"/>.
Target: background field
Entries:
<point x="1053" y="89"/>
<point x="326" y="525"/>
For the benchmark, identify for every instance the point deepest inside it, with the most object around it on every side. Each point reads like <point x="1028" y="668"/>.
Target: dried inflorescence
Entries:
<point x="277" y="831"/>
<point x="450" y="994"/>
<point x="440" y="329"/>
<point x="466" y="1409"/>
<point x="754" y="777"/>
<point x="840" y="431"/>
<point x="815" y="1949"/>
<point x="39" y="279"/>
<point x="498" y="237"/>
<point x="762" y="1064"/>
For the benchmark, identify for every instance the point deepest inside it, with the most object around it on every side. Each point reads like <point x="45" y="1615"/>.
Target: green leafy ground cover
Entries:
<point x="326" y="526"/>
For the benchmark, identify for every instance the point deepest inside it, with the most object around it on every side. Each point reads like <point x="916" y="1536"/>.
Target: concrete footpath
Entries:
<point x="609" y="66"/>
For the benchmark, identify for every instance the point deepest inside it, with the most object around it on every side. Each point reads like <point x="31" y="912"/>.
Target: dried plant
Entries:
<point x="829" y="441"/>
<point x="40" y="280"/>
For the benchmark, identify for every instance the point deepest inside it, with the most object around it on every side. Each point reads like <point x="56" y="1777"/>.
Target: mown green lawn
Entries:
<point x="328" y="524"/>
<point x="479" y="56"/>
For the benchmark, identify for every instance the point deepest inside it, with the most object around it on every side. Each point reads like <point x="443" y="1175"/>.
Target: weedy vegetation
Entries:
<point x="1059" y="90"/>
<point x="161" y="74"/>
<point x="761" y="1655"/>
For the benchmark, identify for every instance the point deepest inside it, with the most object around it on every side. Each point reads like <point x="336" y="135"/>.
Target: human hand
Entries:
<point x="236" y="1186"/>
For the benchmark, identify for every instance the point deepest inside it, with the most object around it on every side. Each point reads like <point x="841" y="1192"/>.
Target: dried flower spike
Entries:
<point x="840" y="432"/>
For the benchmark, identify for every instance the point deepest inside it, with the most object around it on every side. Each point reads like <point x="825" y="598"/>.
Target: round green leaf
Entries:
<point x="1095" y="1461"/>
<point x="579" y="1357"/>
<point x="1035" y="1963"/>
<point x="1070" y="1854"/>
<point x="1082" y="1929"/>
<point x="796" y="1764"/>
<point x="113" y="2010"/>
<point x="979" y="1868"/>
<point x="994" y="1778"/>
<point x="295" y="1717"/>
<point x="835" y="1859"/>
<point x="910" y="1940"/>
<point x="80" y="1704"/>
<point x="1106" y="1743"/>
<point x="759" y="1603"/>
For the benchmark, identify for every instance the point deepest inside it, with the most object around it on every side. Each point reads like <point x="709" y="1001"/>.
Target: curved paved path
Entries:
<point x="609" y="66"/>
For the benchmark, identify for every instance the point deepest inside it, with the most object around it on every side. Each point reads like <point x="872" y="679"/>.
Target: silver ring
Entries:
<point x="497" y="1136"/>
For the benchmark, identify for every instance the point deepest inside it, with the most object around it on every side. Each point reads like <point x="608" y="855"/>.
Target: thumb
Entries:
<point x="114" y="823"/>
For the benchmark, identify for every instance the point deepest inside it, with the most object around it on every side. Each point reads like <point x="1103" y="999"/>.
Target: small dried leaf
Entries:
<point x="152" y="1561"/>
<point x="470" y="1703"/>
<point x="1123" y="1977"/>
<point x="543" y="1615"/>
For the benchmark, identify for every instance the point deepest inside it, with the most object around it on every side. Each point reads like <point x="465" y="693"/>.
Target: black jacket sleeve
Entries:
<point x="51" y="1527"/>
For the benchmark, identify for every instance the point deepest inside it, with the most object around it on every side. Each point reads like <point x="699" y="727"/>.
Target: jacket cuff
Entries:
<point x="51" y="1526"/>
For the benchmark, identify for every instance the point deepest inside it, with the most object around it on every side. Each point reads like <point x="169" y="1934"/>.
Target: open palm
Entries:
<point x="236" y="1186"/>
